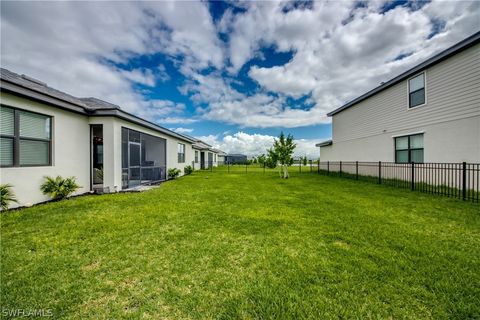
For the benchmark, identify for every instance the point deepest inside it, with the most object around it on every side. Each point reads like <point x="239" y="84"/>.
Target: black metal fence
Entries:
<point x="459" y="180"/>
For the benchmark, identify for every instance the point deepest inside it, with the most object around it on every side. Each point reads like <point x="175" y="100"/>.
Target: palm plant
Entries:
<point x="6" y="196"/>
<point x="59" y="188"/>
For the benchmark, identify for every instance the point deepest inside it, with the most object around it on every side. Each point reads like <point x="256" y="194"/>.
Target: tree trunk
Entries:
<point x="285" y="171"/>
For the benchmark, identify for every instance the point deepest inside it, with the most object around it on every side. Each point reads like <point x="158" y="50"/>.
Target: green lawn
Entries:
<point x="218" y="245"/>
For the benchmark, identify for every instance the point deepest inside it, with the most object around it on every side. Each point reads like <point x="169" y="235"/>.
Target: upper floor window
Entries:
<point x="25" y="138"/>
<point x="181" y="153"/>
<point x="409" y="149"/>
<point x="416" y="91"/>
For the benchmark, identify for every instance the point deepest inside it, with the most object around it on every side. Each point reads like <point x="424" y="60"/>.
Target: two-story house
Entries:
<point x="430" y="113"/>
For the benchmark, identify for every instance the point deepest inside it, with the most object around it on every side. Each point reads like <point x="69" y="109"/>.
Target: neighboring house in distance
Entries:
<point x="205" y="155"/>
<point x="236" y="158"/>
<point x="430" y="113"/>
<point x="221" y="157"/>
<point x="46" y="132"/>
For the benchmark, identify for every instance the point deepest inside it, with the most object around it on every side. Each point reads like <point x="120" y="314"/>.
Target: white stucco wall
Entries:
<point x="207" y="162"/>
<point x="70" y="152"/>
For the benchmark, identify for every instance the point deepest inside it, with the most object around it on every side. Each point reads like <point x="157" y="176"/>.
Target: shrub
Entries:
<point x="188" y="170"/>
<point x="6" y="196"/>
<point x="173" y="173"/>
<point x="59" y="188"/>
<point x="270" y="163"/>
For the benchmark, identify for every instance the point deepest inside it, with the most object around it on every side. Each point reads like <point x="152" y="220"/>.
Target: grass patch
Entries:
<point x="229" y="246"/>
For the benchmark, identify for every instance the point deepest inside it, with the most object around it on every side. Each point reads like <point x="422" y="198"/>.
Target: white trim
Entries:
<point x="408" y="134"/>
<point x="424" y="87"/>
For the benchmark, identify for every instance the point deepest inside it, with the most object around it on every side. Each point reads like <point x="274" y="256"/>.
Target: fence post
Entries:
<point x="340" y="168"/>
<point x="464" y="180"/>
<point x="413" y="176"/>
<point x="379" y="172"/>
<point x="211" y="166"/>
<point x="228" y="166"/>
<point x="318" y="166"/>
<point x="356" y="170"/>
<point x="311" y="169"/>
<point x="328" y="168"/>
<point x="300" y="166"/>
<point x="264" y="167"/>
<point x="193" y="165"/>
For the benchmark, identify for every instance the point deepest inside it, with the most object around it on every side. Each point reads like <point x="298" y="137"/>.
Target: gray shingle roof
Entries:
<point x="38" y="86"/>
<point x="36" y="90"/>
<point x="97" y="104"/>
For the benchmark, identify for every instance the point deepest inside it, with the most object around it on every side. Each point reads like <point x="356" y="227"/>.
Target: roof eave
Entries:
<point x="462" y="45"/>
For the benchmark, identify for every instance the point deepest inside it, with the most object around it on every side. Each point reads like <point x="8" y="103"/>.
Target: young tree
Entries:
<point x="261" y="159"/>
<point x="281" y="153"/>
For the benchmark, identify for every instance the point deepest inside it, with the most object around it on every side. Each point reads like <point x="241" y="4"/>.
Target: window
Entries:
<point x="25" y="138"/>
<point x="409" y="149"/>
<point x="181" y="153"/>
<point x="196" y="156"/>
<point x="416" y="91"/>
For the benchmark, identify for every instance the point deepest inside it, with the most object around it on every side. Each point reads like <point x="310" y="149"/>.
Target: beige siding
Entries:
<point x="450" y="118"/>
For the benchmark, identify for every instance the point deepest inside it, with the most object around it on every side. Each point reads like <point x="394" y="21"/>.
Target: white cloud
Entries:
<point x="182" y="130"/>
<point x="257" y="144"/>
<point x="340" y="50"/>
<point x="141" y="76"/>
<point x="70" y="46"/>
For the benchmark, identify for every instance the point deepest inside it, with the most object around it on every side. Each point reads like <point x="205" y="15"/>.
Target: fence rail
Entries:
<point x="459" y="180"/>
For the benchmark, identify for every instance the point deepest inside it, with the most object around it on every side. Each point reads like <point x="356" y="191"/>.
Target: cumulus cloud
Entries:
<point x="78" y="47"/>
<point x="182" y="130"/>
<point x="339" y="50"/>
<point x="257" y="144"/>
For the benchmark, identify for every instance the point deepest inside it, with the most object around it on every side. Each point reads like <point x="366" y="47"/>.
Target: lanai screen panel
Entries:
<point x="143" y="158"/>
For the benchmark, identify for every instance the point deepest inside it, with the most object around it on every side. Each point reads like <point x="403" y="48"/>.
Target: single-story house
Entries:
<point x="235" y="158"/>
<point x="430" y="113"/>
<point x="205" y="155"/>
<point x="220" y="157"/>
<point x="46" y="132"/>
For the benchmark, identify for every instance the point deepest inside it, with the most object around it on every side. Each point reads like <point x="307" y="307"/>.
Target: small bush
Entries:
<point x="173" y="173"/>
<point x="270" y="163"/>
<point x="6" y="196"/>
<point x="188" y="170"/>
<point x="59" y="188"/>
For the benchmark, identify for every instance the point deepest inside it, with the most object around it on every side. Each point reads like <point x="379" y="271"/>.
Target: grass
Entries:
<point x="228" y="246"/>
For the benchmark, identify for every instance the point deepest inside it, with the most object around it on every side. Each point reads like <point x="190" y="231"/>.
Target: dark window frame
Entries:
<point x="409" y="148"/>
<point x="424" y="88"/>
<point x="181" y="155"/>
<point x="17" y="138"/>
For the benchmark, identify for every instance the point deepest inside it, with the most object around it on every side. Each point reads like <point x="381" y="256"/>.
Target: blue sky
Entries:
<point x="235" y="74"/>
